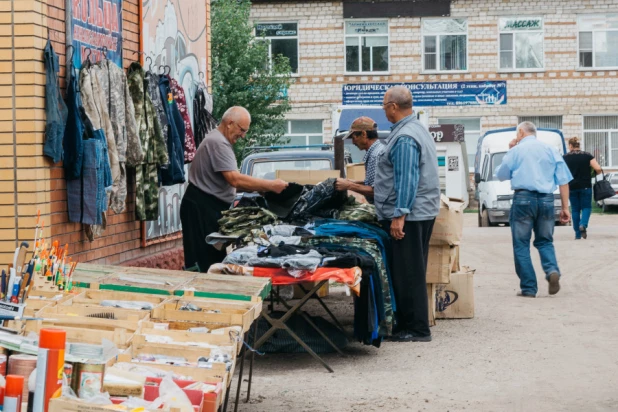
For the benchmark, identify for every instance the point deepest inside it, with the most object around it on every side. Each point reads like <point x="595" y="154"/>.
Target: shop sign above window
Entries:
<point x="276" y="29"/>
<point x="366" y="27"/>
<point x="517" y="24"/>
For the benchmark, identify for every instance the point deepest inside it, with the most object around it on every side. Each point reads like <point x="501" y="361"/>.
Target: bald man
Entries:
<point x="213" y="181"/>
<point x="407" y="200"/>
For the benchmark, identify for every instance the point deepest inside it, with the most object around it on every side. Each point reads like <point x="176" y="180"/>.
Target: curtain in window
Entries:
<point x="453" y="52"/>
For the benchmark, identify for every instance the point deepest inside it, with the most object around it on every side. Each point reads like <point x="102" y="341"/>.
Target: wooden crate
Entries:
<point x="237" y="313"/>
<point x="95" y="297"/>
<point x="86" y="311"/>
<point x="181" y="337"/>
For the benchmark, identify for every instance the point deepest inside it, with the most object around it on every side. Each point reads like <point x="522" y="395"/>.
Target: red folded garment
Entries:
<point x="351" y="277"/>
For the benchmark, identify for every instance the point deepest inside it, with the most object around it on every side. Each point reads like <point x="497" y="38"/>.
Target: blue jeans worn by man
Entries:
<point x="533" y="212"/>
<point x="535" y="170"/>
<point x="581" y="209"/>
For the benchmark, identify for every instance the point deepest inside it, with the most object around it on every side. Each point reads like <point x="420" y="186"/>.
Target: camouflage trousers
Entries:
<point x="146" y="192"/>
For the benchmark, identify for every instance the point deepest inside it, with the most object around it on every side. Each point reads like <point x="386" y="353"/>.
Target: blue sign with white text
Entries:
<point x="487" y="93"/>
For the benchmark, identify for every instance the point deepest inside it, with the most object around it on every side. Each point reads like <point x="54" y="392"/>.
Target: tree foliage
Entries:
<point x="244" y="76"/>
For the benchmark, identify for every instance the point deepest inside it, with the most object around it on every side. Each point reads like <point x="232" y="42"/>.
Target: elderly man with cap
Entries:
<point x="213" y="180"/>
<point x="364" y="134"/>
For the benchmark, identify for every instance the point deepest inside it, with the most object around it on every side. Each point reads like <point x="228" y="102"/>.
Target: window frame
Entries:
<point x="610" y="162"/>
<point x="480" y="132"/>
<point x="438" y="71"/>
<point x="289" y="133"/>
<point x="514" y="33"/>
<point x="270" y="54"/>
<point x="345" y="55"/>
<point x="594" y="67"/>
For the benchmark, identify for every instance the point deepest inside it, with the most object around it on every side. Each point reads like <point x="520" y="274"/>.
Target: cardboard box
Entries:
<point x="355" y="171"/>
<point x="439" y="264"/>
<point x="456" y="300"/>
<point x="306" y="177"/>
<point x="448" y="229"/>
<point x="431" y="293"/>
<point x="455" y="267"/>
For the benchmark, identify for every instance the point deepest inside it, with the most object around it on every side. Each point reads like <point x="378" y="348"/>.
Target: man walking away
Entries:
<point x="534" y="169"/>
<point x="407" y="200"/>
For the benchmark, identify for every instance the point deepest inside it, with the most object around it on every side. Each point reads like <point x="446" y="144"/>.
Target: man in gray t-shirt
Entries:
<point x="213" y="180"/>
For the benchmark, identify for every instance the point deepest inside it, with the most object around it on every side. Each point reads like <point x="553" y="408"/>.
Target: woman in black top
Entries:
<point x="580" y="188"/>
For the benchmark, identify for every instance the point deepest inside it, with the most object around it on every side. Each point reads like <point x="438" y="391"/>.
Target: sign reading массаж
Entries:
<point x="97" y="25"/>
<point x="430" y="94"/>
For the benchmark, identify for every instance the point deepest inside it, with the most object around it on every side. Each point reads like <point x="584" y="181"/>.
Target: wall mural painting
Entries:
<point x="174" y="35"/>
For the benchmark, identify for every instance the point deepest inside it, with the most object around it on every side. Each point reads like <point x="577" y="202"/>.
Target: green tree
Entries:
<point x="243" y="74"/>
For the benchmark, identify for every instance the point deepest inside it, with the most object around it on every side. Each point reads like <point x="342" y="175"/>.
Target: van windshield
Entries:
<point x="496" y="161"/>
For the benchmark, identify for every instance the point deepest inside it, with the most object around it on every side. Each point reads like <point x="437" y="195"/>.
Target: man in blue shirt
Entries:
<point x="535" y="169"/>
<point x="407" y="199"/>
<point x="364" y="134"/>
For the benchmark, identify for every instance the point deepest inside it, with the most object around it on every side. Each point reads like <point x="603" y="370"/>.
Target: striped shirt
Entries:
<point x="371" y="162"/>
<point x="405" y="157"/>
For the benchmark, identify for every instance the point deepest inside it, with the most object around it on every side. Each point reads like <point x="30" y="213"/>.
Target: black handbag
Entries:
<point x="602" y="188"/>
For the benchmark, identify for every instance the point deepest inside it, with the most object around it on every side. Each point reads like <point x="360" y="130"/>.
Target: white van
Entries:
<point x="495" y="197"/>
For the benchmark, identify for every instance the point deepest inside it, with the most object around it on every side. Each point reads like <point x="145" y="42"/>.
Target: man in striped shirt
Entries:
<point x="364" y="134"/>
<point x="407" y="200"/>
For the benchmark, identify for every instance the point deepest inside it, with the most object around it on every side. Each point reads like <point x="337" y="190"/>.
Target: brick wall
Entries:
<point x="561" y="89"/>
<point x="121" y="240"/>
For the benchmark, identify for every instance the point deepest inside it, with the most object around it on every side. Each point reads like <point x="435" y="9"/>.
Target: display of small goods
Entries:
<point x="67" y="348"/>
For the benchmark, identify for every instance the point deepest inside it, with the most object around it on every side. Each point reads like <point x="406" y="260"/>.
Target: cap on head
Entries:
<point x="361" y="124"/>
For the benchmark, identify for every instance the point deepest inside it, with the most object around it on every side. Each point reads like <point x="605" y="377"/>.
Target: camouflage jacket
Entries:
<point x="153" y="144"/>
<point x="121" y="111"/>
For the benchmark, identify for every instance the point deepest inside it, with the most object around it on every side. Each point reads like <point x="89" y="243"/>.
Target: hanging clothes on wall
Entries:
<point x="153" y="144"/>
<point x="73" y="134"/>
<point x="181" y="101"/>
<point x="116" y="97"/>
<point x="202" y="118"/>
<point x="175" y="173"/>
<point x="97" y="112"/>
<point x="155" y="95"/>
<point x="55" y="109"/>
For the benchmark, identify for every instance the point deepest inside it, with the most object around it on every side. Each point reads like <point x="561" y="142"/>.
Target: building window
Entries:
<point x="304" y="132"/>
<point x="366" y="46"/>
<point x="521" y="43"/>
<point x="282" y="40"/>
<point x="598" y="36"/>
<point x="546" y="122"/>
<point x="445" y="45"/>
<point x="601" y="139"/>
<point x="472" y="133"/>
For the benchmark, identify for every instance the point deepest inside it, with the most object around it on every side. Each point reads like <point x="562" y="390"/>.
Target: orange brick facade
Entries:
<point x="28" y="180"/>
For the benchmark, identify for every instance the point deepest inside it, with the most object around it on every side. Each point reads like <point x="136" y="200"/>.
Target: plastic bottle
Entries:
<point x="49" y="366"/>
<point x="13" y="393"/>
<point x="2" y="386"/>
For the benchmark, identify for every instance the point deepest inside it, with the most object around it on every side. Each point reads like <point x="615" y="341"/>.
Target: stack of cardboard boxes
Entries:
<point x="450" y="287"/>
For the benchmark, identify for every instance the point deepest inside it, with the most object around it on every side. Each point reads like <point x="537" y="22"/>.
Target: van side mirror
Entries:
<point x="477" y="178"/>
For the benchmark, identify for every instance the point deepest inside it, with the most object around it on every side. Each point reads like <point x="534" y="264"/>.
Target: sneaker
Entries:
<point x="525" y="295"/>
<point x="554" y="283"/>
<point x="583" y="232"/>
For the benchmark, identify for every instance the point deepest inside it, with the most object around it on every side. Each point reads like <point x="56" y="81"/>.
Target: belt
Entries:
<point x="525" y="190"/>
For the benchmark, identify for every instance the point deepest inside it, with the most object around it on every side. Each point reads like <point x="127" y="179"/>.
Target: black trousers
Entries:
<point x="409" y="275"/>
<point x="199" y="214"/>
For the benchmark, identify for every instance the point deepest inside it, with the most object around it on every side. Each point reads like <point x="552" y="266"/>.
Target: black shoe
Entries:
<point x="525" y="295"/>
<point x="584" y="232"/>
<point x="406" y="336"/>
<point x="554" y="283"/>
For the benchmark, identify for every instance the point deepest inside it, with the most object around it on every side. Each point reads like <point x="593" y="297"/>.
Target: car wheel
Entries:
<point x="485" y="222"/>
<point x="605" y="208"/>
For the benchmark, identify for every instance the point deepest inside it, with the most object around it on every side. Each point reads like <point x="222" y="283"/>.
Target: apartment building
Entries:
<point x="485" y="64"/>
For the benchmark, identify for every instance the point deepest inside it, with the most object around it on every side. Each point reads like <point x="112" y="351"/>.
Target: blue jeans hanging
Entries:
<point x="73" y="134"/>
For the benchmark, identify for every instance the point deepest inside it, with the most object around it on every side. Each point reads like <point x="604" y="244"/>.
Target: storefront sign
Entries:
<point x="96" y="25"/>
<point x="277" y="29"/>
<point x="519" y="24"/>
<point x="430" y="94"/>
<point x="366" y="27"/>
<point x="447" y="133"/>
